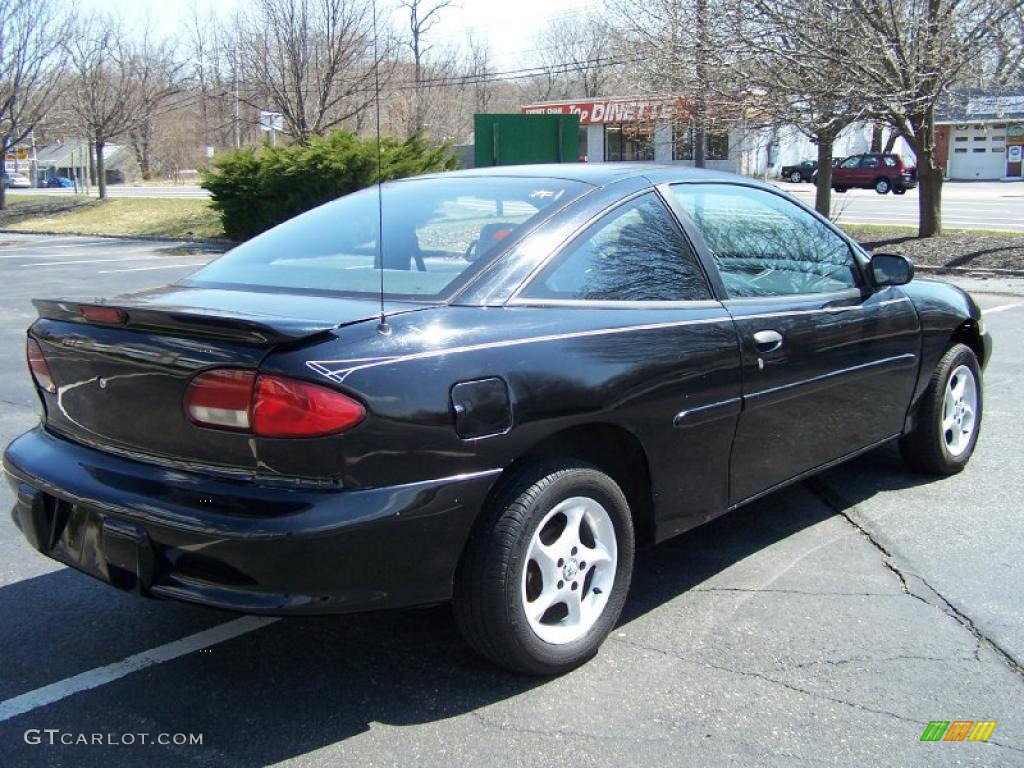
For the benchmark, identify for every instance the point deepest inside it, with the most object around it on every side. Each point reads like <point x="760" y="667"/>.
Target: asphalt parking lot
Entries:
<point x="825" y="625"/>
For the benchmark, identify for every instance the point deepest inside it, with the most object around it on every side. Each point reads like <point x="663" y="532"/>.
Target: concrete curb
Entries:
<point x="148" y="238"/>
<point x="971" y="271"/>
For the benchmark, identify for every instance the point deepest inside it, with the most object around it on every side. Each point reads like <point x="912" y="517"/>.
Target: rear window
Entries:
<point x="437" y="231"/>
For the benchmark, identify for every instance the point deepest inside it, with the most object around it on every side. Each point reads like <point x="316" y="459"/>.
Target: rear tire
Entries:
<point x="882" y="186"/>
<point x="796" y="177"/>
<point x="949" y="416"/>
<point x="840" y="190"/>
<point x="527" y="553"/>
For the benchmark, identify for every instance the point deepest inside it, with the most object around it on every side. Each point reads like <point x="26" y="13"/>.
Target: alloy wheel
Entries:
<point x="570" y="570"/>
<point x="959" y="409"/>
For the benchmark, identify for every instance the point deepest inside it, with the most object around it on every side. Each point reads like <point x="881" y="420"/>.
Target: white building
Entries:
<point x="981" y="136"/>
<point x="659" y="130"/>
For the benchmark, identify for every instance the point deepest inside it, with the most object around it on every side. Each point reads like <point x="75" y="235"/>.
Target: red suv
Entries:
<point x="874" y="170"/>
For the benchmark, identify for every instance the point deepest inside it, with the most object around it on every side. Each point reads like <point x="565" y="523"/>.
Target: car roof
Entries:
<point x="598" y="174"/>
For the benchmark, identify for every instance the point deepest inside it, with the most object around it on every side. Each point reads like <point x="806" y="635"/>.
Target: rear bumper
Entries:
<point x="238" y="544"/>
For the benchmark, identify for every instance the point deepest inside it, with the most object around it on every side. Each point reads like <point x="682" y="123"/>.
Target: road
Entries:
<point x="966" y="205"/>
<point x="997" y="206"/>
<point x="119" y="190"/>
<point x="825" y="625"/>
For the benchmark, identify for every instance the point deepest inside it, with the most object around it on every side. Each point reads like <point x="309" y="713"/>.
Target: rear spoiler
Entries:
<point x="194" y="322"/>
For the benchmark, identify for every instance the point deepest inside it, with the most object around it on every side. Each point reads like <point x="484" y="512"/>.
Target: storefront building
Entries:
<point x="662" y="130"/>
<point x="652" y="129"/>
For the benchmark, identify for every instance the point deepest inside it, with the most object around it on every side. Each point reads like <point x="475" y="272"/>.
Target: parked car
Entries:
<point x="800" y="172"/>
<point x="16" y="181"/>
<point x="61" y="182"/>
<point x="882" y="172"/>
<point x="539" y="369"/>
<point x="836" y="161"/>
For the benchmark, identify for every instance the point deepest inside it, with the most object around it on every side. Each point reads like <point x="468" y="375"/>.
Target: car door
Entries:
<point x="848" y="172"/>
<point x="660" y="356"/>
<point x="829" y="363"/>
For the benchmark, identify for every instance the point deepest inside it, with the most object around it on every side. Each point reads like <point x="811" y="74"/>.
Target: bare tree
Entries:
<point x="683" y="48"/>
<point x="101" y="91"/>
<point x="789" y="82"/>
<point x="155" y="73"/>
<point x="480" y="70"/>
<point x="30" y="31"/>
<point x="423" y="17"/>
<point x="1005" y="60"/>
<point x="576" y="58"/>
<point x="311" y="60"/>
<point x="915" y="52"/>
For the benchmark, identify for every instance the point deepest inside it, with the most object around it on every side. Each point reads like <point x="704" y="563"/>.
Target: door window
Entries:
<point x="851" y="162"/>
<point x="634" y="253"/>
<point x="765" y="245"/>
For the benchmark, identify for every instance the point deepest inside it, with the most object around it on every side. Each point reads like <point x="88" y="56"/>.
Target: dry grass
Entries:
<point x="148" y="217"/>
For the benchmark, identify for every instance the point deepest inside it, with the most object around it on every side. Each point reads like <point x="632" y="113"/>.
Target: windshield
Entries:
<point x="435" y="231"/>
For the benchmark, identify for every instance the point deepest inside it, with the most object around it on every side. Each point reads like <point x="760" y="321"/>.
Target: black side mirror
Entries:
<point x="891" y="269"/>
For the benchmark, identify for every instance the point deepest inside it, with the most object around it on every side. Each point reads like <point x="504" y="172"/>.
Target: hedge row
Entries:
<point x="257" y="188"/>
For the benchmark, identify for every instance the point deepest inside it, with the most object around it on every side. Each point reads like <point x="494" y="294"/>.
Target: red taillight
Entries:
<point x="288" y="408"/>
<point x="38" y="366"/>
<point x="222" y="399"/>
<point x="108" y="315"/>
<point x="268" y="406"/>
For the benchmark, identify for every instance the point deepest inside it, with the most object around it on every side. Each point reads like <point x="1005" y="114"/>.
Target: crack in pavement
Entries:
<point x="877" y="660"/>
<point x="809" y="592"/>
<point x="834" y="500"/>
<point x="788" y="686"/>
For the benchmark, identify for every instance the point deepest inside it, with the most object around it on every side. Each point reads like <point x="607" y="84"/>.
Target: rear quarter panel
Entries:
<point x="635" y="369"/>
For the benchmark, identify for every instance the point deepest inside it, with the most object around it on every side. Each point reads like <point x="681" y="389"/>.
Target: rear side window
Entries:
<point x="634" y="253"/>
<point x="435" y="230"/>
<point x="765" y="245"/>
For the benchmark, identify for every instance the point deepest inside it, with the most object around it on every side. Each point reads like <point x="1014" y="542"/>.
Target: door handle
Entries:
<point x="767" y="341"/>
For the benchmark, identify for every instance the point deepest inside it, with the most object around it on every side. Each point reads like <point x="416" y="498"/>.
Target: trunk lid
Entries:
<point x="121" y="387"/>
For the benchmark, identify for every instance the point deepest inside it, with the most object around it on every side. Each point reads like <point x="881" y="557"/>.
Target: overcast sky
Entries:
<point x="509" y="25"/>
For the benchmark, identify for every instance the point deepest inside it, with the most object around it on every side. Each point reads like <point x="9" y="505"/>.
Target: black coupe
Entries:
<point x="803" y="171"/>
<point x="493" y="397"/>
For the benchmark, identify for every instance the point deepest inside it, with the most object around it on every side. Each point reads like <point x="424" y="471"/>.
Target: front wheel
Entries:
<point x="795" y="177"/>
<point x="546" y="573"/>
<point x="949" y="417"/>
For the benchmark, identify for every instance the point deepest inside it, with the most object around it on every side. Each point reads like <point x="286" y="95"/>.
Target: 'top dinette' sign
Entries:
<point x="613" y="110"/>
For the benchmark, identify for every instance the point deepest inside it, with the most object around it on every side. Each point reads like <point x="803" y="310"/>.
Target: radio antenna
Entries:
<point x="382" y="326"/>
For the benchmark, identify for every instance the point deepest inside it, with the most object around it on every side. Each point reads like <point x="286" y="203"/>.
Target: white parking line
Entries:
<point x="87" y="261"/>
<point x="146" y="269"/>
<point x="1000" y="308"/>
<point x="94" y="678"/>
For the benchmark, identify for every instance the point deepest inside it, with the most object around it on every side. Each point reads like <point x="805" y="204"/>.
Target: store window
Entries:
<point x="629" y="141"/>
<point x="716" y="142"/>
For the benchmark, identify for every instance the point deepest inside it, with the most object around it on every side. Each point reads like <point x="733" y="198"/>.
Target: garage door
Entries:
<point x="978" y="152"/>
